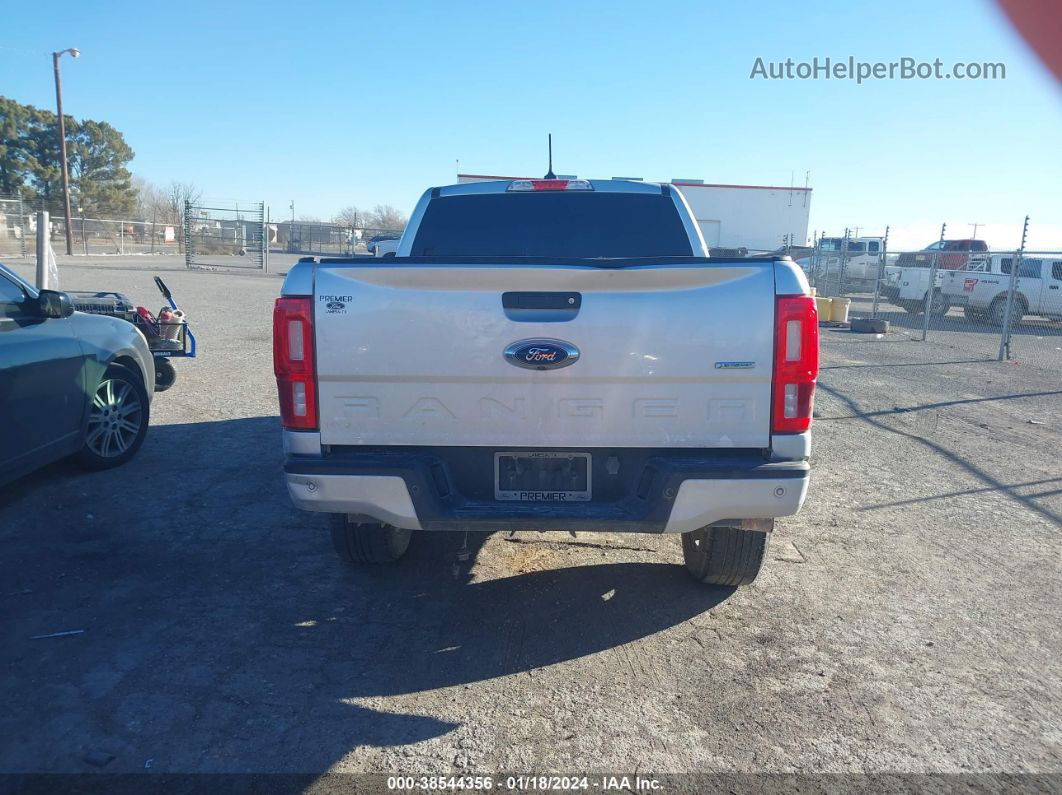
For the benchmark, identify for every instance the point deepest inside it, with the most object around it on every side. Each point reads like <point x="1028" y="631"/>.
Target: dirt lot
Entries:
<point x="907" y="620"/>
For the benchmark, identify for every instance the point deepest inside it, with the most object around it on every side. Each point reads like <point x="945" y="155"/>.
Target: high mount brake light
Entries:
<point x="796" y="363"/>
<point x="549" y="184"/>
<point x="293" y="362"/>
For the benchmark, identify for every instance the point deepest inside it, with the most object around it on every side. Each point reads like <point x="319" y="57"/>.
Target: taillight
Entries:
<point x="293" y="362"/>
<point x="549" y="184"/>
<point x="796" y="362"/>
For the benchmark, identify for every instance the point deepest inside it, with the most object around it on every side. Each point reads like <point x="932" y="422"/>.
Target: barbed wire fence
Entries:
<point x="983" y="304"/>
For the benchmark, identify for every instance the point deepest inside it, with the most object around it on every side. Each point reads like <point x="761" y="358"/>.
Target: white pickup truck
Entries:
<point x="982" y="291"/>
<point x="907" y="286"/>
<point x="549" y="355"/>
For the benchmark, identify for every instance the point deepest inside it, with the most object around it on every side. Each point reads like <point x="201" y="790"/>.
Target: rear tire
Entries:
<point x="724" y="555"/>
<point x="997" y="312"/>
<point x="357" y="542"/>
<point x="939" y="304"/>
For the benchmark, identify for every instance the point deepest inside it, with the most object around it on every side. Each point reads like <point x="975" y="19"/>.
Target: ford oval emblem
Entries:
<point x="542" y="354"/>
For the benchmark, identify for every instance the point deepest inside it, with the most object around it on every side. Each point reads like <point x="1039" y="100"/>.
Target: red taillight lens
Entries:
<point x="293" y="362"/>
<point x="796" y="362"/>
<point x="549" y="184"/>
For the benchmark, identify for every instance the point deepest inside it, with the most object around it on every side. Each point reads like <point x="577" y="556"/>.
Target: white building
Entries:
<point x="756" y="217"/>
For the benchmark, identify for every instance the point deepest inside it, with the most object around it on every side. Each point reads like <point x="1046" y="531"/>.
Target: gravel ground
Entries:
<point x="907" y="620"/>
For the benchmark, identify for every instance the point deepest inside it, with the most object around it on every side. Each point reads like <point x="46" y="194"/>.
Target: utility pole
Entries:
<point x="74" y="53"/>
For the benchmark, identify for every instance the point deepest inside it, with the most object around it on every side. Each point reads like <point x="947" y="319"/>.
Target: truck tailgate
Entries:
<point x="672" y="355"/>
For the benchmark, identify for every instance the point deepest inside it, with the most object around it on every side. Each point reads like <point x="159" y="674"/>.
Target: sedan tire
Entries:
<point x="118" y="420"/>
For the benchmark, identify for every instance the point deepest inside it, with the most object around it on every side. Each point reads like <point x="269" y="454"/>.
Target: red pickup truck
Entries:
<point x="952" y="255"/>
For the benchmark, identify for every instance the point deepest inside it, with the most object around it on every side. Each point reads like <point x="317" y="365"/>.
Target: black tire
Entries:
<point x="724" y="555"/>
<point x="118" y="420"/>
<point x="939" y="304"/>
<point x="997" y="312"/>
<point x="358" y="543"/>
<point x="165" y="374"/>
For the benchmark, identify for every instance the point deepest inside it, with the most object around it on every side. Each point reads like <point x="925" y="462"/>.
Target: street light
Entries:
<point x="74" y="53"/>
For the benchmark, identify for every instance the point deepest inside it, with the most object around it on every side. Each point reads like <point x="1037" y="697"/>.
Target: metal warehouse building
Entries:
<point x="757" y="217"/>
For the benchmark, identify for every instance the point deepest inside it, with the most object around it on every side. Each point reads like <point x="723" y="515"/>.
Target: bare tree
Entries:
<point x="150" y="200"/>
<point x="384" y="216"/>
<point x="349" y="216"/>
<point x="177" y="195"/>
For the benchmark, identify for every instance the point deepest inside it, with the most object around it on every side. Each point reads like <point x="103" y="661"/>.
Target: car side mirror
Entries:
<point x="54" y="304"/>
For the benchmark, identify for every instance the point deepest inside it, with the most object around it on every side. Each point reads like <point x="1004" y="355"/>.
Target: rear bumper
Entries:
<point x="653" y="491"/>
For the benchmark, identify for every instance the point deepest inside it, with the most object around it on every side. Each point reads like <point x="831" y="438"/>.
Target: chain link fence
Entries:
<point x="213" y="234"/>
<point x="324" y="238"/>
<point x="90" y="236"/>
<point x="16" y="233"/>
<point x="955" y="294"/>
<point x="225" y="235"/>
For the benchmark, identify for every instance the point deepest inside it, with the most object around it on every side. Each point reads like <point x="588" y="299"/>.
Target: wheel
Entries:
<point x="117" y="422"/>
<point x="724" y="555"/>
<point x="165" y="374"/>
<point x="358" y="542"/>
<point x="939" y="304"/>
<point x="974" y="315"/>
<point x="997" y="312"/>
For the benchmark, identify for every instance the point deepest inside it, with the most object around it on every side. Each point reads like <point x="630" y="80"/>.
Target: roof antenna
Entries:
<point x="550" y="174"/>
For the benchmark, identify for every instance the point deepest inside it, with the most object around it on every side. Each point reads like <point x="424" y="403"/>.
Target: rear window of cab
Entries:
<point x="554" y="224"/>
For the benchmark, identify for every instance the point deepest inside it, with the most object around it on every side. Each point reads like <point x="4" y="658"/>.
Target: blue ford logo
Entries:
<point x="542" y="354"/>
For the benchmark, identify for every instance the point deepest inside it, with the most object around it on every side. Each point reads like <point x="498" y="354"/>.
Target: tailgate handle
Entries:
<point x="527" y="307"/>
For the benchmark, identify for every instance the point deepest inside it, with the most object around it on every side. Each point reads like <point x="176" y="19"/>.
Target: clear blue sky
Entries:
<point x="337" y="103"/>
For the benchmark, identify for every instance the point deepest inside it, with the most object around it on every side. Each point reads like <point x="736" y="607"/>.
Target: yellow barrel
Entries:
<point x="823" y="305"/>
<point x="839" y="309"/>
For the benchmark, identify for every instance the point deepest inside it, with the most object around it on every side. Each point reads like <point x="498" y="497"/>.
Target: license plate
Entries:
<point x="542" y="477"/>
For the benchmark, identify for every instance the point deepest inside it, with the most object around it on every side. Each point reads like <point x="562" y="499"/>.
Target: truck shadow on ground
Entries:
<point x="991" y="483"/>
<point x="221" y="632"/>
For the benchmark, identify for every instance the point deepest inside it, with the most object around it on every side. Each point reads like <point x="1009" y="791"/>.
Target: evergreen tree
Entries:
<point x="97" y="154"/>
